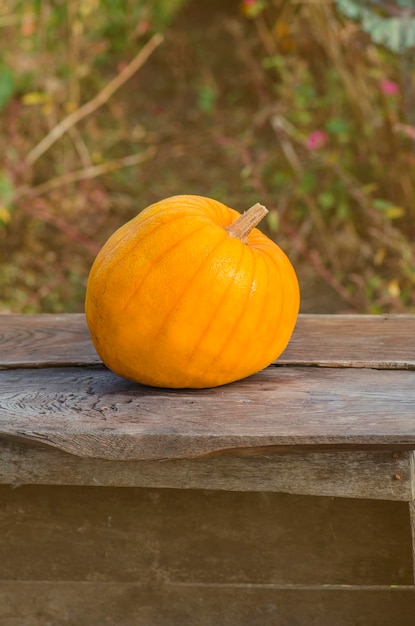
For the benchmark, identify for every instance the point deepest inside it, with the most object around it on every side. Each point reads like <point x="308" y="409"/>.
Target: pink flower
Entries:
<point x="407" y="130"/>
<point x="316" y="140"/>
<point x="389" y="88"/>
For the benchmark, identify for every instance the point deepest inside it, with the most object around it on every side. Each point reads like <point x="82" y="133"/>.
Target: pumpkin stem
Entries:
<point x="246" y="222"/>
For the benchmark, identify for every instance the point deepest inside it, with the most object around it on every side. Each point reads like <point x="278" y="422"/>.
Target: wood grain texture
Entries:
<point x="381" y="341"/>
<point x="91" y="412"/>
<point x="45" y="340"/>
<point x="204" y="537"/>
<point x="349" y="474"/>
<point x="336" y="416"/>
<point x="114" y="604"/>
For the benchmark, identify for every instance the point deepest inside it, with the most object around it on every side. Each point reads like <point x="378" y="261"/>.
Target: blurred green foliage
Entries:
<point x="6" y="85"/>
<point x="388" y="24"/>
<point x="57" y="56"/>
<point x="303" y="106"/>
<point x="342" y="118"/>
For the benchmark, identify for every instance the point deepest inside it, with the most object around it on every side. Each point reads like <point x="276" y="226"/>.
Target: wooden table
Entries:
<point x="283" y="499"/>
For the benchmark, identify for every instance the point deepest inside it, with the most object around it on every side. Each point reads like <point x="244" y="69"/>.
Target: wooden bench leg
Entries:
<point x="412" y="516"/>
<point x="412" y="508"/>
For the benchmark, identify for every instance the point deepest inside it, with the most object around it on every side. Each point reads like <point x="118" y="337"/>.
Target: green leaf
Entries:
<point x="394" y="212"/>
<point x="6" y="189"/>
<point x="396" y="33"/>
<point x="277" y="61"/>
<point x="390" y="211"/>
<point x="308" y="182"/>
<point x="206" y="99"/>
<point x="273" y="221"/>
<point x="380" y="204"/>
<point x="326" y="200"/>
<point x="343" y="210"/>
<point x="6" y="85"/>
<point x="303" y="117"/>
<point x="279" y="179"/>
<point x="337" y="126"/>
<point x="163" y="11"/>
<point x="6" y="198"/>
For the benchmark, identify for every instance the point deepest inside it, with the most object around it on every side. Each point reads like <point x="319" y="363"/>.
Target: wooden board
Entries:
<point x="131" y="557"/>
<point x="45" y="340"/>
<point x="114" y="604"/>
<point x="375" y="474"/>
<point x="91" y="412"/>
<point x="381" y="341"/>
<point x="334" y="416"/>
<point x="201" y="537"/>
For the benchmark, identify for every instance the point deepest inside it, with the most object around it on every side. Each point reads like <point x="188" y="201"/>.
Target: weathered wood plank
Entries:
<point x="45" y="340"/>
<point x="386" y="341"/>
<point x="379" y="341"/>
<point x="257" y="557"/>
<point x="112" y="604"/>
<point x="94" y="413"/>
<point x="350" y="474"/>
<point x="206" y="537"/>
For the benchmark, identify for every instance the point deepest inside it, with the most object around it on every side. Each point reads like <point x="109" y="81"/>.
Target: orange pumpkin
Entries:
<point x="190" y="294"/>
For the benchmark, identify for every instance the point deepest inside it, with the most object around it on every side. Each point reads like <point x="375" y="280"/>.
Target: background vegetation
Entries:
<point x="308" y="107"/>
